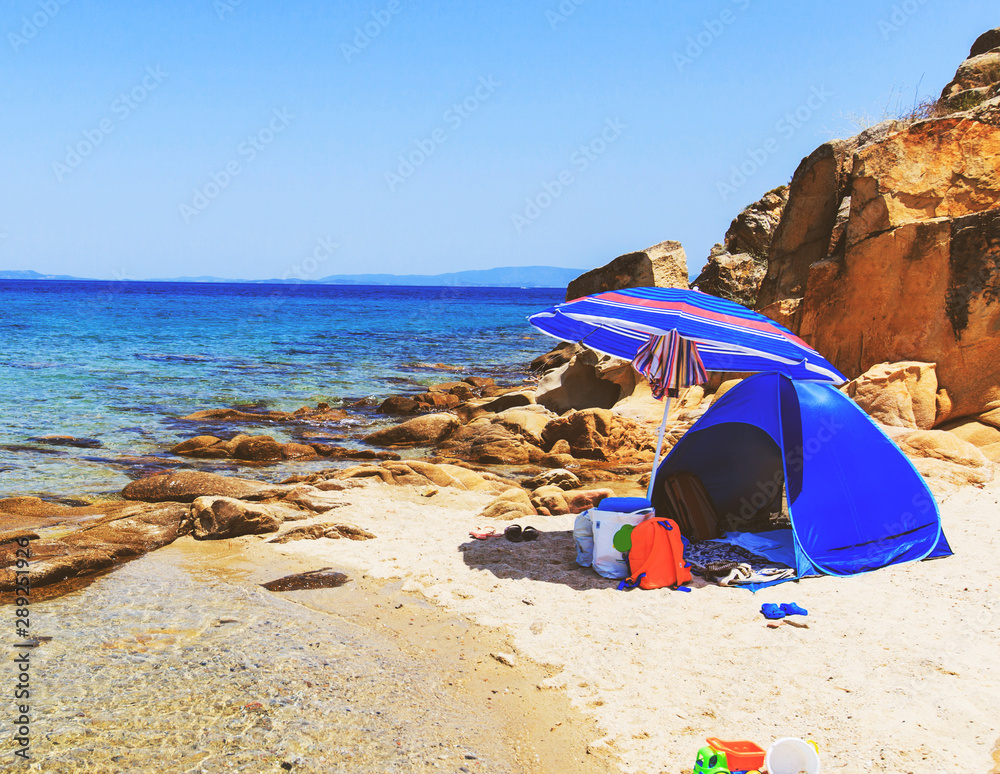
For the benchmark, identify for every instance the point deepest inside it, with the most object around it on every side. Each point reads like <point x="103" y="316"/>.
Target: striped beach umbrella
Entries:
<point x="729" y="336"/>
<point x="669" y="363"/>
<point x="674" y="336"/>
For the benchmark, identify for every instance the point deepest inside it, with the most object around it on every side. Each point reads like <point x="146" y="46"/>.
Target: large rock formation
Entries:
<point x="736" y="267"/>
<point x="976" y="78"/>
<point x="662" y="266"/>
<point x="587" y="380"/>
<point x="889" y="248"/>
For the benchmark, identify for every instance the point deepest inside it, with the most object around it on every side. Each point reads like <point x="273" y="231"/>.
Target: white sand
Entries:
<point x="898" y="671"/>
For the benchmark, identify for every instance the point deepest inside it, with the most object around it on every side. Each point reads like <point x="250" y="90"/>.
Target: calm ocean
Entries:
<point x="119" y="362"/>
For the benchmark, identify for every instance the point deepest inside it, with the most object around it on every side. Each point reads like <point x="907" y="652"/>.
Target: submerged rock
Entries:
<point x="317" y="579"/>
<point x="419" y="431"/>
<point x="68" y="440"/>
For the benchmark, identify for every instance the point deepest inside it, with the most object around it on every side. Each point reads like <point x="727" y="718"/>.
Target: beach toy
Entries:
<point x="792" y="609"/>
<point x="710" y="761"/>
<point x="792" y="756"/>
<point x="741" y="755"/>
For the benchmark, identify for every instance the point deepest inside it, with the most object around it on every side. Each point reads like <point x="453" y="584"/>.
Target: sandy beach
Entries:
<point x="895" y="672"/>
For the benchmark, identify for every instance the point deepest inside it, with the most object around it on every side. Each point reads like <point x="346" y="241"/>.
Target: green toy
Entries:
<point x="710" y="761"/>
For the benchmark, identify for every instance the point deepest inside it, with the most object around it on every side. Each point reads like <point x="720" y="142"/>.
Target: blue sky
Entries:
<point x="259" y="139"/>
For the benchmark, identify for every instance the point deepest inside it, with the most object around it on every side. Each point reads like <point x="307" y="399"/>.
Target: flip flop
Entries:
<point x="481" y="533"/>
<point x="515" y="533"/>
<point x="772" y="611"/>
<point x="793" y="609"/>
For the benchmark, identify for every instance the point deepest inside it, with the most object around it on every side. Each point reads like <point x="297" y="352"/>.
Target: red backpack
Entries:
<point x="656" y="558"/>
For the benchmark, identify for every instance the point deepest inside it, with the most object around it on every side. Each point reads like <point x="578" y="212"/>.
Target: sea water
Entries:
<point x="118" y="363"/>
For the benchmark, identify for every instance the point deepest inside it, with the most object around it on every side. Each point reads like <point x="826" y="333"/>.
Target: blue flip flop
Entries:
<point x="772" y="611"/>
<point x="793" y="609"/>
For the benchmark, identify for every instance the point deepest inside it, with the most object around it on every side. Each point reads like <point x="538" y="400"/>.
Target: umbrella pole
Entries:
<point x="659" y="447"/>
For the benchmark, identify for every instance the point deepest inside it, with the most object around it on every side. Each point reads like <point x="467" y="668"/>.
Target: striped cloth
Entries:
<point x="669" y="362"/>
<point x="730" y="337"/>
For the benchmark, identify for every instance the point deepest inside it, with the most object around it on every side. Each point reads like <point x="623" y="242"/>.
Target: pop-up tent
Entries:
<point x="855" y="502"/>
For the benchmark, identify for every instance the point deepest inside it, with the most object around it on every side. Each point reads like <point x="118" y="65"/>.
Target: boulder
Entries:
<point x="419" y="431"/>
<point x="316" y="531"/>
<point x="981" y="69"/>
<point x="973" y="431"/>
<point x="525" y="423"/>
<point x="497" y="445"/>
<point x="491" y="444"/>
<point x="322" y="413"/>
<point x="557" y="502"/>
<point x="196" y="444"/>
<point x="510" y="400"/>
<point x="559" y="355"/>
<point x="399" y="405"/>
<point x="898" y="394"/>
<point x="582" y="500"/>
<point x="147" y="529"/>
<point x="550" y="498"/>
<point x="437" y="400"/>
<point x="479" y="382"/>
<point x="598" y="434"/>
<point x="559" y="477"/>
<point x="509" y="505"/>
<point x="579" y="384"/>
<point x="424" y="474"/>
<point x="736" y="268"/>
<point x="733" y="277"/>
<point x="552" y="460"/>
<point x="943" y="445"/>
<point x="184" y="486"/>
<point x="663" y="265"/>
<point x="216" y="518"/>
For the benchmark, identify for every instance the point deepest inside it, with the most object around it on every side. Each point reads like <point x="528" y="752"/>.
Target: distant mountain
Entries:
<point x="504" y="276"/>
<point x="501" y="277"/>
<point x="34" y="275"/>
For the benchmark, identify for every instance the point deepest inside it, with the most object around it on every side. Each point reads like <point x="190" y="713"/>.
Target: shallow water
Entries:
<point x="171" y="666"/>
<point x="119" y="362"/>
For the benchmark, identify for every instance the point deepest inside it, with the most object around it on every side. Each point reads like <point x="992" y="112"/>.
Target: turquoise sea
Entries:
<point x="115" y="364"/>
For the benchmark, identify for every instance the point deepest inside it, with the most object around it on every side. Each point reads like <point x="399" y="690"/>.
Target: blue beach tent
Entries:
<point x="856" y="503"/>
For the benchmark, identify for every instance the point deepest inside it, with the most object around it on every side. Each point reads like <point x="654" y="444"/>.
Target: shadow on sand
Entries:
<point x="551" y="558"/>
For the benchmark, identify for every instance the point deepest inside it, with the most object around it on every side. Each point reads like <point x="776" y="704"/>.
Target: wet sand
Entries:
<point x="180" y="662"/>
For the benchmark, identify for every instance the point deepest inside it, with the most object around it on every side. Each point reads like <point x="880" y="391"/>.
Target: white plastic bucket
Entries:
<point x="607" y="561"/>
<point x="791" y="756"/>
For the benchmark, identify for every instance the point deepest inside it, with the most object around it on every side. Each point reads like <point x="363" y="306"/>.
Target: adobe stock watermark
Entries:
<point x="121" y="108"/>
<point x="562" y="12"/>
<point x="580" y="160"/>
<point x="366" y="33"/>
<point x="225" y="7"/>
<point x="248" y="150"/>
<point x="784" y="129"/>
<point x="711" y="30"/>
<point x="32" y="25"/>
<point x="453" y="117"/>
<point x="899" y="15"/>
